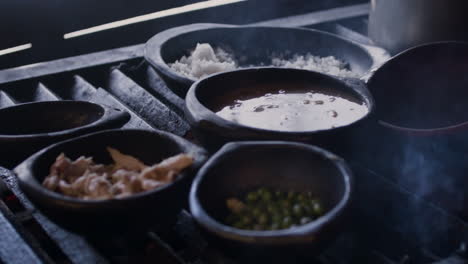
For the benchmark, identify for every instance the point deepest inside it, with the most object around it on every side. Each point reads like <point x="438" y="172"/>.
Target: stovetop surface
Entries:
<point x="390" y="224"/>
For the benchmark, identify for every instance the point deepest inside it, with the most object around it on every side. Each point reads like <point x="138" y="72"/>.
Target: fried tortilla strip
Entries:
<point x="127" y="162"/>
<point x="168" y="168"/>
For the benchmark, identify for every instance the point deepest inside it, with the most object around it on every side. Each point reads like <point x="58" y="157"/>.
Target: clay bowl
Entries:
<point x="254" y="45"/>
<point x="211" y="94"/>
<point x="422" y="115"/>
<point x="422" y="90"/>
<point x="240" y="167"/>
<point x="420" y="95"/>
<point x="26" y="128"/>
<point x="157" y="207"/>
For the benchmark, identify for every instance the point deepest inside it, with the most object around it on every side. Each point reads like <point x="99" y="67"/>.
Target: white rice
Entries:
<point x="205" y="60"/>
<point x="329" y="65"/>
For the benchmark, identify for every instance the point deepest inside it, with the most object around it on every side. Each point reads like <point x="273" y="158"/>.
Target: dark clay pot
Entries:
<point x="419" y="137"/>
<point x="422" y="91"/>
<point x="209" y="95"/>
<point x="254" y="45"/>
<point x="421" y="96"/>
<point x="157" y="207"/>
<point x="26" y="128"/>
<point x="240" y="167"/>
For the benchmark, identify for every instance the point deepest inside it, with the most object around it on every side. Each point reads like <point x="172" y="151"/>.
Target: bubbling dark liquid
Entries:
<point x="294" y="111"/>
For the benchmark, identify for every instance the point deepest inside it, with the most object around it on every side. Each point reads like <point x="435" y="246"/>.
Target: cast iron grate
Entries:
<point x="121" y="78"/>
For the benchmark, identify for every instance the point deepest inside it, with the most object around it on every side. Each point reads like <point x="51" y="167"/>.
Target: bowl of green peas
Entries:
<point x="275" y="200"/>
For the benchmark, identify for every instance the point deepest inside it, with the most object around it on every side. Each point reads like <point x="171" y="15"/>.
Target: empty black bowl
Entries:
<point x="211" y="94"/>
<point x="254" y="45"/>
<point x="26" y="128"/>
<point x="157" y="207"/>
<point x="422" y="114"/>
<point x="240" y="167"/>
<point x="423" y="90"/>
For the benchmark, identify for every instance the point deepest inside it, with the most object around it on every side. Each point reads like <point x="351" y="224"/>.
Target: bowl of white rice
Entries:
<point x="185" y="54"/>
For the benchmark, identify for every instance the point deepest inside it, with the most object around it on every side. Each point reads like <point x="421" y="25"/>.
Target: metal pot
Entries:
<point x="399" y="24"/>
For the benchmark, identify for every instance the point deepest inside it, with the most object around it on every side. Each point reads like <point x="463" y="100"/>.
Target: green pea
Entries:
<point x="305" y="220"/>
<point x="266" y="197"/>
<point x="313" y="201"/>
<point x="318" y="210"/>
<point x="238" y="225"/>
<point x="278" y="195"/>
<point x="308" y="209"/>
<point x="275" y="226"/>
<point x="259" y="227"/>
<point x="287" y="221"/>
<point x="246" y="220"/>
<point x="305" y="205"/>
<point x="285" y="203"/>
<point x="256" y="212"/>
<point x="298" y="210"/>
<point x="267" y="209"/>
<point x="276" y="218"/>
<point x="261" y="191"/>
<point x="285" y="211"/>
<point x="252" y="197"/>
<point x="271" y="208"/>
<point x="263" y="219"/>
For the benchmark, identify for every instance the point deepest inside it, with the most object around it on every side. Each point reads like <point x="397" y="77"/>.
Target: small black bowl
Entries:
<point x="157" y="207"/>
<point x="211" y="94"/>
<point x="254" y="45"/>
<point x="240" y="167"/>
<point x="422" y="114"/>
<point x="26" y="128"/>
<point x="422" y="110"/>
<point x="422" y="91"/>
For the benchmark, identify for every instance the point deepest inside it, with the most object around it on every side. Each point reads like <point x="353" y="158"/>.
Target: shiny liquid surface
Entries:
<point x="294" y="111"/>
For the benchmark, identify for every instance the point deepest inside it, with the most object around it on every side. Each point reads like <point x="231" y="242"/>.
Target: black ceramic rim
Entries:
<point x="196" y="108"/>
<point x="420" y="131"/>
<point x="211" y="224"/>
<point x="154" y="57"/>
<point x="108" y="112"/>
<point x="24" y="172"/>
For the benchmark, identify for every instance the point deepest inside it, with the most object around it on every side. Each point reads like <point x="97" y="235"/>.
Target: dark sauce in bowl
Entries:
<point x="294" y="111"/>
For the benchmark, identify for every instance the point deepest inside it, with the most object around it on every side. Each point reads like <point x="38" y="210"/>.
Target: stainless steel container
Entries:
<point x="399" y="24"/>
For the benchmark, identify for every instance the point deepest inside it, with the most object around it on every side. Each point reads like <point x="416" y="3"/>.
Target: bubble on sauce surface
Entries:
<point x="332" y="113"/>
<point x="259" y="108"/>
<point x="289" y="112"/>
